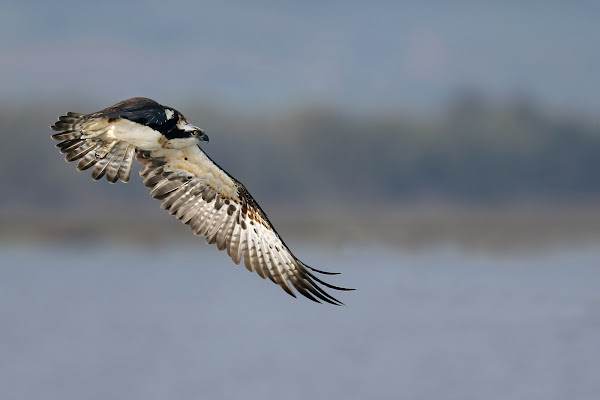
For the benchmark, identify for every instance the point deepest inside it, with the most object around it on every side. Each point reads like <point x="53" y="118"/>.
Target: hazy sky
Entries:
<point x="365" y="55"/>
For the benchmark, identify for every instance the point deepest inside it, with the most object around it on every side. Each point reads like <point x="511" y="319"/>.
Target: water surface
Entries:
<point x="81" y="322"/>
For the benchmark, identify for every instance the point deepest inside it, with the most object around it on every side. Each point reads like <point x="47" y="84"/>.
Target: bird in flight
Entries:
<point x="190" y="185"/>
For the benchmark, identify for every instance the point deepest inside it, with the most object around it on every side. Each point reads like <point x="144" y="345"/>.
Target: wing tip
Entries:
<point x="320" y="271"/>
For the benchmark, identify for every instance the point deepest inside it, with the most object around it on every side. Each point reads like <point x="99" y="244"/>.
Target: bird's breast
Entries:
<point x="141" y="136"/>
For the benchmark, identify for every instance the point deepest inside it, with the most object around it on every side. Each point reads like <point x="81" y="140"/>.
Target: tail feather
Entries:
<point x="115" y="165"/>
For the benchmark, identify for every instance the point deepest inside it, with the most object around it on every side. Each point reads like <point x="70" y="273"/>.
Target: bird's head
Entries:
<point x="195" y="133"/>
<point x="184" y="134"/>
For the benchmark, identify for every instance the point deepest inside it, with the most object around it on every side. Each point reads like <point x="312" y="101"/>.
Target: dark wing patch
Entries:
<point x="241" y="228"/>
<point x="141" y="110"/>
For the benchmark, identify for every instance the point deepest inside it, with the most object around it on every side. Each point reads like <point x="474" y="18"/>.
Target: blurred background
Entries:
<point x="443" y="156"/>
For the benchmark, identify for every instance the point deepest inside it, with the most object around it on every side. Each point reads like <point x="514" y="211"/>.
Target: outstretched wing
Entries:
<point x="81" y="140"/>
<point x="220" y="208"/>
<point x="113" y="161"/>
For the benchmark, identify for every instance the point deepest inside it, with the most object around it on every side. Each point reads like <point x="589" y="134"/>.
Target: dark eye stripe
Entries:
<point x="175" y="133"/>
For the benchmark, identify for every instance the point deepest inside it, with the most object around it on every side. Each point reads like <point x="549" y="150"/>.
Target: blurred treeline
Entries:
<point x="473" y="152"/>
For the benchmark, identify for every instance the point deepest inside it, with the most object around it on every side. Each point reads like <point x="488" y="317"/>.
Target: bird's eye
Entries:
<point x="195" y="132"/>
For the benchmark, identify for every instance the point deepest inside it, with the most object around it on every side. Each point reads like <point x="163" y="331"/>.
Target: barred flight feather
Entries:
<point x="116" y="164"/>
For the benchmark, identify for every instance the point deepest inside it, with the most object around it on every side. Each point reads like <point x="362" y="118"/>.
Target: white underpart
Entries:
<point x="142" y="137"/>
<point x="193" y="160"/>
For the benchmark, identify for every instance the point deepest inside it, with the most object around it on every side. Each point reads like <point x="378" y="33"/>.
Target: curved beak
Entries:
<point x="203" y="137"/>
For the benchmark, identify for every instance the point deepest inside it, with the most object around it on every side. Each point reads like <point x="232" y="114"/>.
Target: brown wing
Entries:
<point x="115" y="160"/>
<point x="239" y="226"/>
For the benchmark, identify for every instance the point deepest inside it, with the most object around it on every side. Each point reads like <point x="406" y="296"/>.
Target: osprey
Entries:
<point x="189" y="184"/>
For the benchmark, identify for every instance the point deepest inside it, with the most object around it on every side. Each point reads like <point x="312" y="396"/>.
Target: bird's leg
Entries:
<point x="105" y="150"/>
